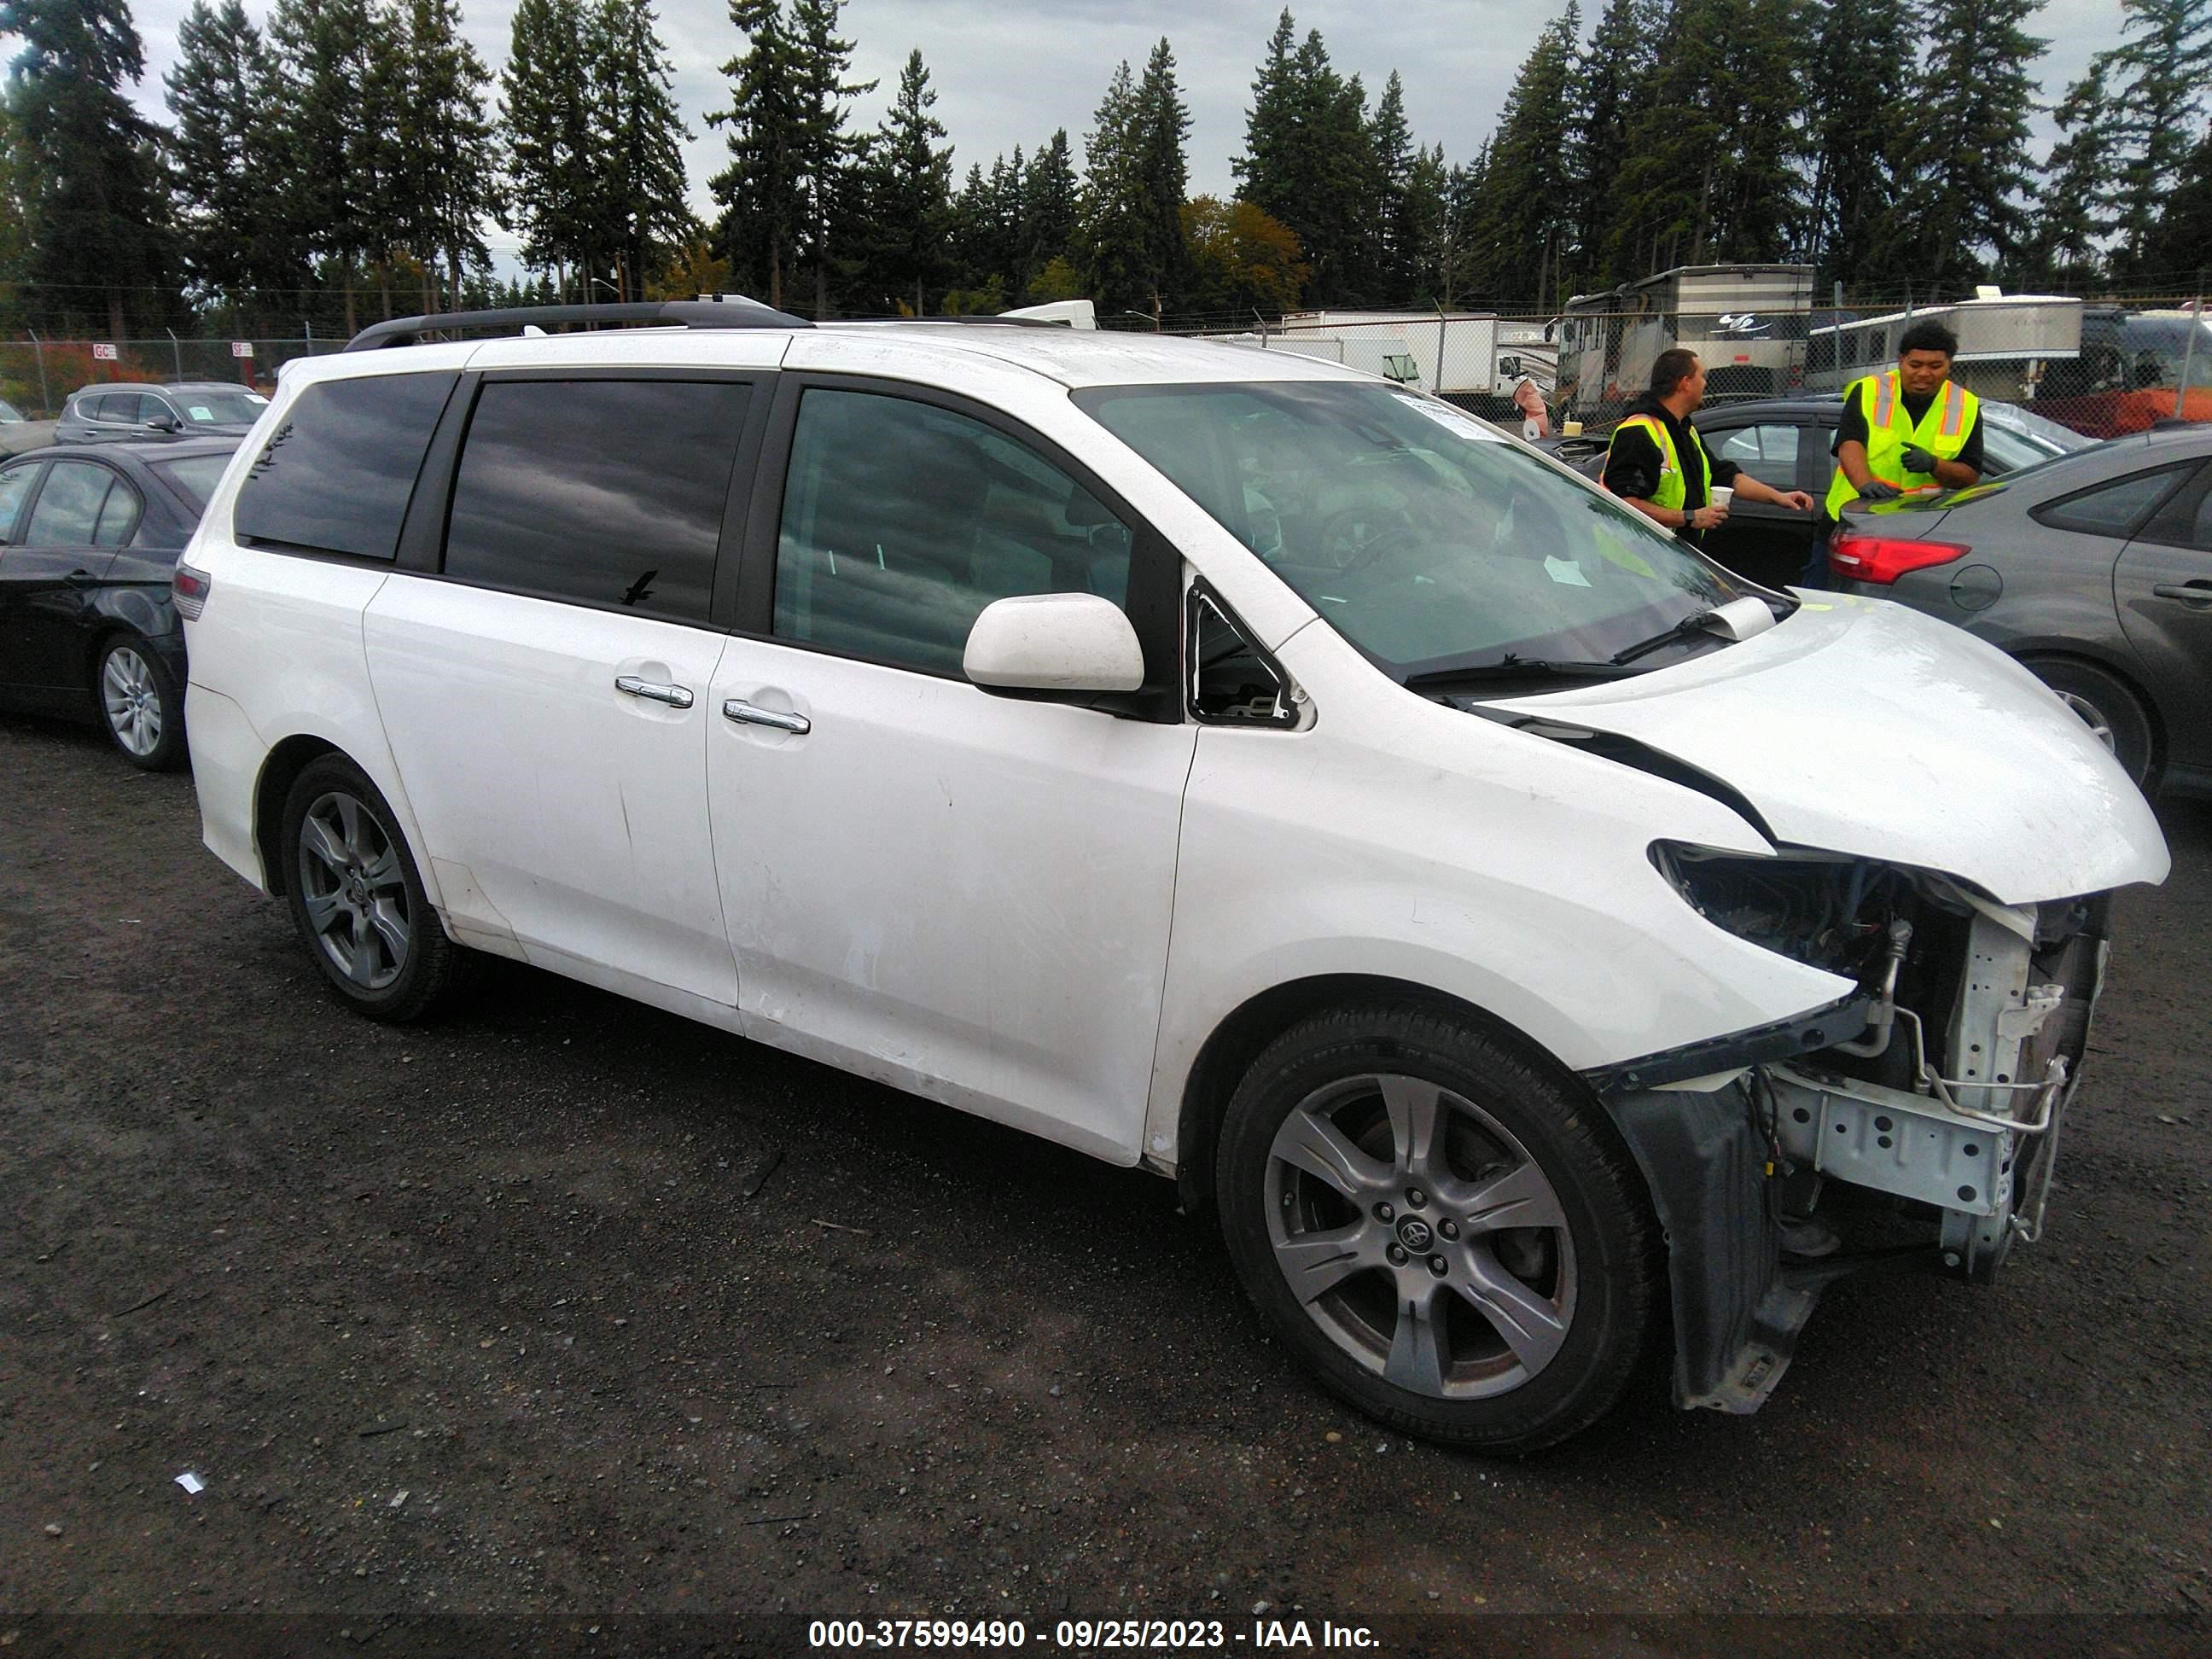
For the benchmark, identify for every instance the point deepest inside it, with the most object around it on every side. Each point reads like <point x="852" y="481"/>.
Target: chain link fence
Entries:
<point x="38" y="374"/>
<point x="2099" y="367"/>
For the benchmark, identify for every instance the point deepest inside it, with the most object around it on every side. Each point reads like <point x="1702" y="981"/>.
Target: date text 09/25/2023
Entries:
<point x="1089" y="1635"/>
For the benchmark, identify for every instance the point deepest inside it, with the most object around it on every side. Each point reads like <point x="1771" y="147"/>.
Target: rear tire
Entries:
<point x="359" y="903"/>
<point x="2107" y="706"/>
<point x="140" y="707"/>
<point x="1454" y="1239"/>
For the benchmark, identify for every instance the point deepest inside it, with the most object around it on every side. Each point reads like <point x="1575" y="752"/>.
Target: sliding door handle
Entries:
<point x="746" y="714"/>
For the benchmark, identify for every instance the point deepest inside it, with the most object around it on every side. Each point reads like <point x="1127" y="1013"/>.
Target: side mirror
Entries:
<point x="1054" y="642"/>
<point x="162" y="423"/>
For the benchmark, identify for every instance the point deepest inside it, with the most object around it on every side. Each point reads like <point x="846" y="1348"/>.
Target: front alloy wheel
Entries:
<point x="1421" y="1236"/>
<point x="1451" y="1234"/>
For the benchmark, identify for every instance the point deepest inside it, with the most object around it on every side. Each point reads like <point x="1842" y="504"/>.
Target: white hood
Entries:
<point x="1861" y="727"/>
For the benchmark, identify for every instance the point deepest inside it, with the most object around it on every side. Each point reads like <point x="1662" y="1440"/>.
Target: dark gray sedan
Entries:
<point x="2094" y="569"/>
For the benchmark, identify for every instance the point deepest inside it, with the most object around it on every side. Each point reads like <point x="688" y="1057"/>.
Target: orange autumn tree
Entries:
<point x="1242" y="259"/>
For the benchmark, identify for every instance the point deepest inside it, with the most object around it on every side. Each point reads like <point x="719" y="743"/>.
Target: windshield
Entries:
<point x="9" y="415"/>
<point x="195" y="476"/>
<point x="2039" y="429"/>
<point x="1426" y="539"/>
<point x="203" y="407"/>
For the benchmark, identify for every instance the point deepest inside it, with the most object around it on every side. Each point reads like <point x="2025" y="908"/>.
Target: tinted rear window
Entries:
<point x="608" y="492"/>
<point x="337" y="473"/>
<point x="195" y="476"/>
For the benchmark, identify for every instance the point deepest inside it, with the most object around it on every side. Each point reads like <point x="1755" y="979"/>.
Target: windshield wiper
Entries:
<point x="1719" y="620"/>
<point x="1513" y="668"/>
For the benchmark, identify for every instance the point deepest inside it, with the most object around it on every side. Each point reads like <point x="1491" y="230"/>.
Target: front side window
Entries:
<point x="1769" y="454"/>
<point x="67" y="510"/>
<point x="1431" y="544"/>
<point x="604" y="492"/>
<point x="336" y="475"/>
<point x="902" y="520"/>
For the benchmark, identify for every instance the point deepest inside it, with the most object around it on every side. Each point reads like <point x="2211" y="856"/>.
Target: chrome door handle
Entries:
<point x="676" y="697"/>
<point x="746" y="714"/>
<point x="2188" y="593"/>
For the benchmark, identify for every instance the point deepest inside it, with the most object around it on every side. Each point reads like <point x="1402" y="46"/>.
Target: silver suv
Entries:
<point x="189" y="409"/>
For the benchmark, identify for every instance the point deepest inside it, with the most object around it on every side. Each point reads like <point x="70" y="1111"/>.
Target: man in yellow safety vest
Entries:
<point x="1912" y="431"/>
<point x="1657" y="463"/>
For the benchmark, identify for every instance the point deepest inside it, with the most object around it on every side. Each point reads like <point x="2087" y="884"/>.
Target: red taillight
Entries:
<point x="189" y="589"/>
<point x="1863" y="558"/>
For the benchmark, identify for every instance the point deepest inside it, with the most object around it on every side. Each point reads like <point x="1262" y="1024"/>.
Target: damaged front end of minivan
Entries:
<point x="1913" y="1124"/>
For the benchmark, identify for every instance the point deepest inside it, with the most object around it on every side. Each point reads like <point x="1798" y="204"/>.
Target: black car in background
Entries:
<point x="89" y="541"/>
<point x="1785" y="443"/>
<point x="120" y="411"/>
<point x="2094" y="569"/>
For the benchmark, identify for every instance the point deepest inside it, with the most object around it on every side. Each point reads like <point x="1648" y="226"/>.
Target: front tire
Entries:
<point x="141" y="708"/>
<point x="357" y="901"/>
<point x="1455" y="1241"/>
<point x="2111" y="711"/>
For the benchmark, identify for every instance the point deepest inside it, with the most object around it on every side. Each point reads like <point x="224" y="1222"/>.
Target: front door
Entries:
<point x="963" y="894"/>
<point x="1766" y="543"/>
<point x="2162" y="589"/>
<point x="547" y="694"/>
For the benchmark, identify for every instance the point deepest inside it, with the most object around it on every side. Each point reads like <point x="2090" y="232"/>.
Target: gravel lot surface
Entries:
<point x="568" y="1306"/>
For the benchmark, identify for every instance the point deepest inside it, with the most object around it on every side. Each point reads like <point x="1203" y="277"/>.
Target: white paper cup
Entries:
<point x="1570" y="428"/>
<point x="1721" y="495"/>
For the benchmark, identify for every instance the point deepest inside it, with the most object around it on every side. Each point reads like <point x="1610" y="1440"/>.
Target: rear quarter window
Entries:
<point x="336" y="474"/>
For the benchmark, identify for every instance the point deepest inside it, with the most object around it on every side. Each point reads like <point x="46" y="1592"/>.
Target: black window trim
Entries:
<point x="1153" y="604"/>
<point x="422" y="535"/>
<point x="338" y="556"/>
<point x="2177" y="474"/>
<point x="1202" y="591"/>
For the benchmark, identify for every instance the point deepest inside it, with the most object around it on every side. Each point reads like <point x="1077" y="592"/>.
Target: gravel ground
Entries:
<point x="565" y="1306"/>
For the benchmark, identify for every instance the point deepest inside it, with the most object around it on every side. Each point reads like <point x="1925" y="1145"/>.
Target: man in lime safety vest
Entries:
<point x="1912" y="431"/>
<point x="1657" y="463"/>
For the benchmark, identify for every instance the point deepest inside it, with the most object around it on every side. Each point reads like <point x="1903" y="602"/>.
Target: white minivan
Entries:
<point x="1535" y="942"/>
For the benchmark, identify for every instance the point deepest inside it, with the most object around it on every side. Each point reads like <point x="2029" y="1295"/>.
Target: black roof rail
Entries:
<point x="732" y="311"/>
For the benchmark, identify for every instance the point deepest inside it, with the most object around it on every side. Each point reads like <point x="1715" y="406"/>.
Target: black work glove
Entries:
<point x="1917" y="459"/>
<point x="1876" y="489"/>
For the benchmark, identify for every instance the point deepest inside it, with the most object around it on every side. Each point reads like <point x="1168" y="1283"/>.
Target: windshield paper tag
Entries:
<point x="1453" y="421"/>
<point x="1565" y="572"/>
<point x="202" y="412"/>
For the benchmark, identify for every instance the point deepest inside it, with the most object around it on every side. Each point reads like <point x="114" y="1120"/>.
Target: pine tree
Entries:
<point x="1049" y="203"/>
<point x="640" y="142"/>
<point x="447" y="138"/>
<point x="2159" y="76"/>
<point x="1390" y="145"/>
<point x="910" y="187"/>
<point x="1309" y="162"/>
<point x="1522" y="225"/>
<point x="95" y="204"/>
<point x="548" y="128"/>
<point x="220" y="92"/>
<point x="1111" y="243"/>
<point x="1424" y="225"/>
<point x="1967" y="175"/>
<point x="1160" y="125"/>
<point x="763" y="190"/>
<point x="1860" y="111"/>
<point x="1610" y="75"/>
<point x="334" y="88"/>
<point x="827" y="155"/>
<point x="2075" y="196"/>
<point x="2180" y="243"/>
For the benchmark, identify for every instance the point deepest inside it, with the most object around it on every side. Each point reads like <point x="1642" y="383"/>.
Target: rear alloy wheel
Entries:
<point x="1455" y="1241"/>
<point x="356" y="900"/>
<point x="2113" y="714"/>
<point x="139" y="706"/>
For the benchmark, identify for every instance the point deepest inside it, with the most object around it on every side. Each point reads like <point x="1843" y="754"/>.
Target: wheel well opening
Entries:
<point x="1239" y="1041"/>
<point x="286" y="762"/>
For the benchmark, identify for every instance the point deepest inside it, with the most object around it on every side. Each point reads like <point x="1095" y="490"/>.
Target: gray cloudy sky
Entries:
<point x="1008" y="72"/>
